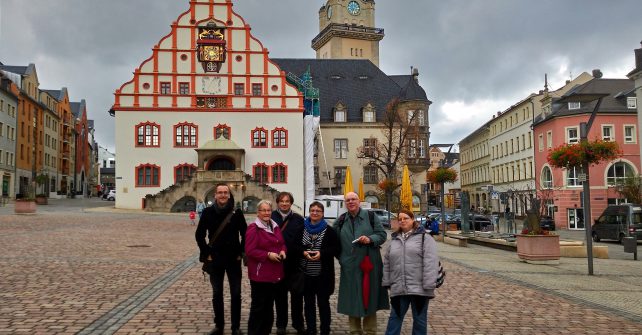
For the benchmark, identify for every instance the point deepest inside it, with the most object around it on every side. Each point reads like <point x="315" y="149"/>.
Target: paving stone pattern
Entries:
<point x="104" y="271"/>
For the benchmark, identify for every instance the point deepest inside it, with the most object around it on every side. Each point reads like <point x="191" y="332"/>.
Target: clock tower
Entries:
<point x="347" y="31"/>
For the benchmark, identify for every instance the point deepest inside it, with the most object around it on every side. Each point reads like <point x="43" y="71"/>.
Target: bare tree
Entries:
<point x="389" y="155"/>
<point x="630" y="188"/>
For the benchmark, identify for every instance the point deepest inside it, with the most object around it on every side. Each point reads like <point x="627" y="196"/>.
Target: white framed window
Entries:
<point x="630" y="135"/>
<point x="421" y="118"/>
<point x="412" y="152"/>
<point x="574" y="105"/>
<point x="631" y="102"/>
<point x="607" y="133"/>
<point x="572" y="177"/>
<point x="618" y="172"/>
<point x="572" y="135"/>
<point x="549" y="139"/>
<point x="339" y="115"/>
<point x="341" y="148"/>
<point x="540" y="142"/>
<point x="547" y="178"/>
<point x="422" y="149"/>
<point x="369" y="115"/>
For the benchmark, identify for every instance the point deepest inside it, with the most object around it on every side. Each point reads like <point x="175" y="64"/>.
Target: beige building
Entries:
<point x="475" y="166"/>
<point x="354" y="94"/>
<point x="347" y="31"/>
<point x="50" y="137"/>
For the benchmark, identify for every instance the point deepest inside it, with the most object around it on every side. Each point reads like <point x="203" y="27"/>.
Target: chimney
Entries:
<point x="415" y="74"/>
<point x="638" y="57"/>
<point x="597" y="73"/>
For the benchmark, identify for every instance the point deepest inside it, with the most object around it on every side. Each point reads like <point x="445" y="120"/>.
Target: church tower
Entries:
<point x="347" y="31"/>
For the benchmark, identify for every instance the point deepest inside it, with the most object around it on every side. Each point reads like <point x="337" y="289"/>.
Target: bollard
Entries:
<point x="631" y="246"/>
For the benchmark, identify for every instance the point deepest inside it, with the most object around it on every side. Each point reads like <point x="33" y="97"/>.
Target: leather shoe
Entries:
<point x="237" y="332"/>
<point x="301" y="331"/>
<point x="280" y="331"/>
<point x="216" y="331"/>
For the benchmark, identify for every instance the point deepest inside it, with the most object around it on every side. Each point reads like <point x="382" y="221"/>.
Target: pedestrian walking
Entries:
<point x="222" y="253"/>
<point x="266" y="251"/>
<point x="192" y="217"/>
<point x="320" y="246"/>
<point x="410" y="271"/>
<point x="291" y="225"/>
<point x="360" y="290"/>
<point x="200" y="206"/>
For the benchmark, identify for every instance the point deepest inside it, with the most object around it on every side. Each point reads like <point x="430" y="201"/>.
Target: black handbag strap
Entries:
<point x="224" y="223"/>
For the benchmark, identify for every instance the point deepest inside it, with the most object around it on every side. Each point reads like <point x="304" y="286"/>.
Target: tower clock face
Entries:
<point x="353" y="8"/>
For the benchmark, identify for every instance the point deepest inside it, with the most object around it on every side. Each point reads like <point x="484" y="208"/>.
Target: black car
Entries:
<point x="547" y="223"/>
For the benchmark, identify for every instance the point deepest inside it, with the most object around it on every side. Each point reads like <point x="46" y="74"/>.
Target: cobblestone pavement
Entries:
<point x="126" y="272"/>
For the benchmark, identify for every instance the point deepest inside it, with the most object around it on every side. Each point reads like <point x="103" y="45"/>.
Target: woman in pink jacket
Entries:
<point x="265" y="251"/>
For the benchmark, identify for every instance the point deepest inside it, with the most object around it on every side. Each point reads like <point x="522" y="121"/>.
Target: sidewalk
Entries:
<point x="102" y="272"/>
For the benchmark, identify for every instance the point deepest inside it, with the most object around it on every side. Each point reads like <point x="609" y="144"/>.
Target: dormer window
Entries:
<point x="632" y="103"/>
<point x="573" y="105"/>
<point x="369" y="113"/>
<point x="340" y="113"/>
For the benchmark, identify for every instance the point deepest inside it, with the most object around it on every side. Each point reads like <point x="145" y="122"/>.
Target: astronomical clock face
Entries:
<point x="354" y="8"/>
<point x="212" y="53"/>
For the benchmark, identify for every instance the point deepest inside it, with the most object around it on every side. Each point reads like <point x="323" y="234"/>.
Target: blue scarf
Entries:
<point x="314" y="229"/>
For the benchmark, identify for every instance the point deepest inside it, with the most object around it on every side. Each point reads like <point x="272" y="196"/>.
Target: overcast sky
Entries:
<point x="475" y="57"/>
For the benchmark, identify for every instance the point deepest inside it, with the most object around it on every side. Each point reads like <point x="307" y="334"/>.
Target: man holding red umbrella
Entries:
<point x="360" y="292"/>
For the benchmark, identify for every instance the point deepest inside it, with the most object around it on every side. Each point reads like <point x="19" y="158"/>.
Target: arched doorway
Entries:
<point x="184" y="204"/>
<point x="221" y="163"/>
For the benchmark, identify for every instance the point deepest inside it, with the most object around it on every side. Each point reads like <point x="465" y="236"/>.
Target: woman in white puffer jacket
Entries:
<point x="410" y="270"/>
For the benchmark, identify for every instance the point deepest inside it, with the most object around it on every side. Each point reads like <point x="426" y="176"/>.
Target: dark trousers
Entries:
<point x="315" y="294"/>
<point x="233" y="269"/>
<point x="296" y="301"/>
<point x="262" y="308"/>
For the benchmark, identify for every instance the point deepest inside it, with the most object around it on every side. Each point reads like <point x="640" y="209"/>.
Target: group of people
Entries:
<point x="287" y="254"/>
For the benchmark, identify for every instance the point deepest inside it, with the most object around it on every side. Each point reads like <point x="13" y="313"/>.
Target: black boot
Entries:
<point x="216" y="331"/>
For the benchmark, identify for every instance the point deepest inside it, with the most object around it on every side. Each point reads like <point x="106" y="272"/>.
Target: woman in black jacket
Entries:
<point x="320" y="246"/>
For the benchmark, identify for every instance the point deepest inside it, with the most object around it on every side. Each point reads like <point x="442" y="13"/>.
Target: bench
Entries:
<point x="456" y="240"/>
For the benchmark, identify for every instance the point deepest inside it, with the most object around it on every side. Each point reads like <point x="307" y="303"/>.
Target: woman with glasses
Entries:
<point x="320" y="245"/>
<point x="265" y="251"/>
<point x="410" y="271"/>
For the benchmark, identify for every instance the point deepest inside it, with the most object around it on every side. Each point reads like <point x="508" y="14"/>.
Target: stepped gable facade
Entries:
<point x="207" y="106"/>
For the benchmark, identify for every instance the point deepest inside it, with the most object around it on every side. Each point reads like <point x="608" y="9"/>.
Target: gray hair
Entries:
<point x="263" y="202"/>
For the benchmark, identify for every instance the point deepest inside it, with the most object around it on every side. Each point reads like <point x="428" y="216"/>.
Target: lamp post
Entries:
<point x="585" y="127"/>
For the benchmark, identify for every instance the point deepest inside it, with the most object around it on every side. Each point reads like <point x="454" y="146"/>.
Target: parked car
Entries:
<point x="618" y="222"/>
<point x="383" y="216"/>
<point x="546" y="222"/>
<point x="111" y="196"/>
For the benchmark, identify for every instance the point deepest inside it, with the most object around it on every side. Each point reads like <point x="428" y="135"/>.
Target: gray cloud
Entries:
<point x="483" y="54"/>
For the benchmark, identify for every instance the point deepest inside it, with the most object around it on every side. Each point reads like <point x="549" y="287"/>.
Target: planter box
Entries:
<point x="539" y="249"/>
<point x="24" y="207"/>
<point x="41" y="200"/>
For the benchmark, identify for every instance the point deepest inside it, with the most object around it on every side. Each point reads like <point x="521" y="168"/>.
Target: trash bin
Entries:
<point x="630" y="244"/>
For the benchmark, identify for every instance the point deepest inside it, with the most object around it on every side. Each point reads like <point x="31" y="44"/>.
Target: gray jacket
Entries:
<point x="409" y="270"/>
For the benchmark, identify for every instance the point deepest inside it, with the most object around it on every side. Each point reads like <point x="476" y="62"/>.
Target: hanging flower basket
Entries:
<point x="591" y="152"/>
<point x="442" y="175"/>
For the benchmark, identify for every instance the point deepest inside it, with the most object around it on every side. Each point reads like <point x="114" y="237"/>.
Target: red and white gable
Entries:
<point x="208" y="77"/>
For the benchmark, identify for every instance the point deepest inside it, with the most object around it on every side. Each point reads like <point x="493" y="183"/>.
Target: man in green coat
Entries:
<point x="360" y="238"/>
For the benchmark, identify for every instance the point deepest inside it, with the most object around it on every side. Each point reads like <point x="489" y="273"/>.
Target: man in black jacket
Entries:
<point x="224" y="251"/>
<point x="291" y="225"/>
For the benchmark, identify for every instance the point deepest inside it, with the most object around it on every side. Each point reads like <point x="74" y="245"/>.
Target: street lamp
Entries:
<point x="585" y="127"/>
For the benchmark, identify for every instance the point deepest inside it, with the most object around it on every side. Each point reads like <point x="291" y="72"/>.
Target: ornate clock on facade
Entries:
<point x="353" y="8"/>
<point x="211" y="47"/>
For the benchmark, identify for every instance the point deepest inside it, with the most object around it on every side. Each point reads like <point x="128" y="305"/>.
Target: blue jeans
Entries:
<point x="398" y="308"/>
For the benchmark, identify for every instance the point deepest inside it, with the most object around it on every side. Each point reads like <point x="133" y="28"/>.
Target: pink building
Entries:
<point x="616" y="120"/>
